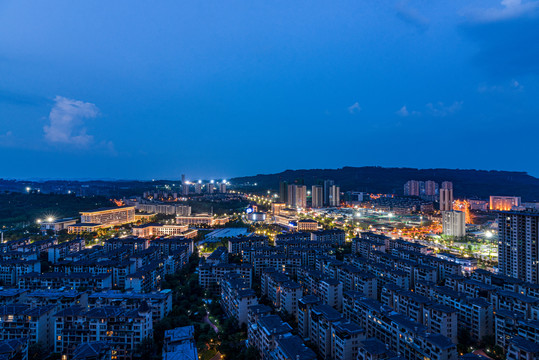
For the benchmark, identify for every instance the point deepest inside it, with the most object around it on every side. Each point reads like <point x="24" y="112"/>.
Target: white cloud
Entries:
<point x="513" y="85"/>
<point x="440" y="109"/>
<point x="516" y="85"/>
<point x="7" y="139"/>
<point x="403" y="111"/>
<point x="509" y="9"/>
<point x="412" y="16"/>
<point x="67" y="122"/>
<point x="355" y="108"/>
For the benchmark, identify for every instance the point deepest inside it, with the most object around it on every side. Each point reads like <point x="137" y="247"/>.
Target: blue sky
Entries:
<point x="123" y="89"/>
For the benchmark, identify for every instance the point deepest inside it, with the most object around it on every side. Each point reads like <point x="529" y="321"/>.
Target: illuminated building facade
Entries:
<point x="480" y="205"/>
<point x="307" y="225"/>
<point x="56" y="225"/>
<point x="82" y="228"/>
<point x="202" y="219"/>
<point x="504" y="203"/>
<point x="276" y="207"/>
<point x="109" y="216"/>
<point x="149" y="230"/>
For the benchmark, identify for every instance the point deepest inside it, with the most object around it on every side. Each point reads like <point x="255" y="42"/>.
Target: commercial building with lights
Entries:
<point x="82" y="228"/>
<point x="307" y="225"/>
<point x="56" y="224"/>
<point x="202" y="219"/>
<point x="153" y="229"/>
<point x="109" y="216"/>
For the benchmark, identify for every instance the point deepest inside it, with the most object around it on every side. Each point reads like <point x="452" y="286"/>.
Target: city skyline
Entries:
<point x="174" y="87"/>
<point x="255" y="180"/>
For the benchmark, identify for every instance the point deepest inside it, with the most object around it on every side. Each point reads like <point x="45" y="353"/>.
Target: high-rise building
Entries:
<point x="297" y="196"/>
<point x="411" y="188"/>
<point x="222" y="187"/>
<point x="198" y="187"/>
<point x="454" y="223"/>
<point x="518" y="240"/>
<point x="334" y="195"/>
<point x="430" y="189"/>
<point x="447" y="185"/>
<point x="301" y="196"/>
<point x="317" y="194"/>
<point x="504" y="203"/>
<point x="283" y="191"/>
<point x="327" y="185"/>
<point x="185" y="186"/>
<point x="210" y="188"/>
<point x="446" y="196"/>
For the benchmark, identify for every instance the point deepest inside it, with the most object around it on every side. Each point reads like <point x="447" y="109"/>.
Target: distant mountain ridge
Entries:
<point x="466" y="183"/>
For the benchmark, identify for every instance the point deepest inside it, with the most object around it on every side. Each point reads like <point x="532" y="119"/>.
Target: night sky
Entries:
<point x="141" y="90"/>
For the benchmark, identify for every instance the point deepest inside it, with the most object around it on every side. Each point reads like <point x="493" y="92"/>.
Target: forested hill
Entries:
<point x="466" y="183"/>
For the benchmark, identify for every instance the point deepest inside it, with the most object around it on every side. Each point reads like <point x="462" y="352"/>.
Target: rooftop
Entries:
<point x="524" y="344"/>
<point x="180" y="334"/>
<point x="375" y="347"/>
<point x="294" y="348"/>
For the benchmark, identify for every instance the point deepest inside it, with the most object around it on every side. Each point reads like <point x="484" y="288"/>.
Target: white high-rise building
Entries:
<point x="334" y="195"/>
<point x="454" y="223"/>
<point x="518" y="245"/>
<point x="297" y="196"/>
